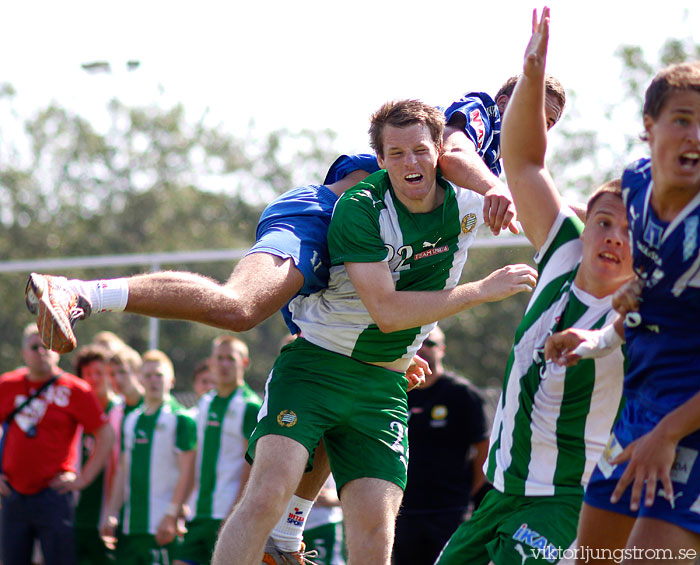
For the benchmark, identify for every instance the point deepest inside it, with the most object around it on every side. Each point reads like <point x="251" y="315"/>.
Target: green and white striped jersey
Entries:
<point x="552" y="422"/>
<point x="151" y="444"/>
<point x="224" y="424"/>
<point x="424" y="252"/>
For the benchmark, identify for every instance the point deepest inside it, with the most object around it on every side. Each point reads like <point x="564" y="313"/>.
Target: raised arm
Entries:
<point x="524" y="141"/>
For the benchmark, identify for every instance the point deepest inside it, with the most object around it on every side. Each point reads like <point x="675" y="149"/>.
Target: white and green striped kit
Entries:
<point x="151" y="444"/>
<point x="424" y="252"/>
<point x="224" y="425"/>
<point x="552" y="423"/>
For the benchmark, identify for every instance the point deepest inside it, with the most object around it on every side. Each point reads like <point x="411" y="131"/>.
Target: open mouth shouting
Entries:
<point x="689" y="160"/>
<point x="413" y="178"/>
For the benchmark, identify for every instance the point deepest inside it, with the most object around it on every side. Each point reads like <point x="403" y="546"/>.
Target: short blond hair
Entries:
<point x="158" y="356"/>
<point x="236" y="344"/>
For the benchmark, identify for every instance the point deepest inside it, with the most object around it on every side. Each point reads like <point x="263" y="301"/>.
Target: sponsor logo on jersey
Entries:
<point x="468" y="222"/>
<point x="213" y="420"/>
<point x="477" y="124"/>
<point x="286" y="418"/>
<point x="430" y="244"/>
<point x="141" y="437"/>
<point x="296" y="518"/>
<point x="683" y="464"/>
<point x="648" y="252"/>
<point x="430" y="252"/>
<point x="536" y="540"/>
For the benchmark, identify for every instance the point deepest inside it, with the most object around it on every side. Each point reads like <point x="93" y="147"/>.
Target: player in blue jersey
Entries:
<point x="654" y="445"/>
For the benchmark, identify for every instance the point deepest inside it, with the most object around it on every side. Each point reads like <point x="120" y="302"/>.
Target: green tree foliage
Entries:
<point x="580" y="158"/>
<point x="152" y="182"/>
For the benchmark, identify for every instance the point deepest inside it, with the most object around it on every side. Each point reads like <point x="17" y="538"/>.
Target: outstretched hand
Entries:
<point x="499" y="211"/>
<point x="626" y="298"/>
<point x="536" y="50"/>
<point x="507" y="281"/>
<point x="650" y="460"/>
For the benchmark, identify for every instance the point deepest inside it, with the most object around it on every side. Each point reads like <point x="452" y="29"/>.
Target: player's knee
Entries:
<point x="266" y="500"/>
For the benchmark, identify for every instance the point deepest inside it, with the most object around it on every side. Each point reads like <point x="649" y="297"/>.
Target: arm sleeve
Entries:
<point x="186" y="432"/>
<point x="250" y="418"/>
<point x="483" y="126"/>
<point x="354" y="233"/>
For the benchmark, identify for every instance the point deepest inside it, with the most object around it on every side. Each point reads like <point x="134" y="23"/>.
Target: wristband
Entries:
<point x="173" y="510"/>
<point x="600" y="343"/>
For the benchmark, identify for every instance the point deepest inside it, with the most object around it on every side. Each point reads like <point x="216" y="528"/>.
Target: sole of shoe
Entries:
<point x="56" y="331"/>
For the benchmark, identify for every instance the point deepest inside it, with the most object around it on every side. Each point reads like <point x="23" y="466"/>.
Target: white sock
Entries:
<point x="109" y="295"/>
<point x="289" y="531"/>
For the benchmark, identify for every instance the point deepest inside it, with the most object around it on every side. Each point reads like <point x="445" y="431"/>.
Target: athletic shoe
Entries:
<point x="274" y="556"/>
<point x="58" y="307"/>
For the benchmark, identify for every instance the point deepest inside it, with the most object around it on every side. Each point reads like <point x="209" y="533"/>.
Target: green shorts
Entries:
<point x="327" y="540"/>
<point x="89" y="547"/>
<point x="198" y="544"/>
<point x="359" y="410"/>
<point x="142" y="549"/>
<point x="511" y="529"/>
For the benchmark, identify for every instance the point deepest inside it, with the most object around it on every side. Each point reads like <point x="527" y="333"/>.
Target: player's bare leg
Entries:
<point x="601" y="529"/>
<point x="370" y="507"/>
<point x="259" y="286"/>
<point x="278" y="467"/>
<point x="286" y="539"/>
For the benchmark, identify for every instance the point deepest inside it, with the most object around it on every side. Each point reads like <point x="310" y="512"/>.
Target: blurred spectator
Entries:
<point x="447" y="437"/>
<point x="226" y="418"/>
<point x="41" y="407"/>
<point x="109" y="341"/>
<point x="156" y="469"/>
<point x="203" y="378"/>
<point x="125" y="366"/>
<point x="92" y="365"/>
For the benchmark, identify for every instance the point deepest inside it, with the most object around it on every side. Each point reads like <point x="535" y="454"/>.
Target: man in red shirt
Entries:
<point x="38" y="476"/>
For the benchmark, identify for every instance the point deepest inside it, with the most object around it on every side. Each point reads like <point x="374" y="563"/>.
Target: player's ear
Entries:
<point x="380" y="161"/>
<point x="502" y="102"/>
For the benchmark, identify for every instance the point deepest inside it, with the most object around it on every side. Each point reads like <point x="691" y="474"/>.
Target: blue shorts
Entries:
<point x="685" y="475"/>
<point x="295" y="226"/>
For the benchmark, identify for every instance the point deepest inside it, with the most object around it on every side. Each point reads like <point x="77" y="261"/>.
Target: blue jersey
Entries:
<point x="663" y="342"/>
<point x="483" y="126"/>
